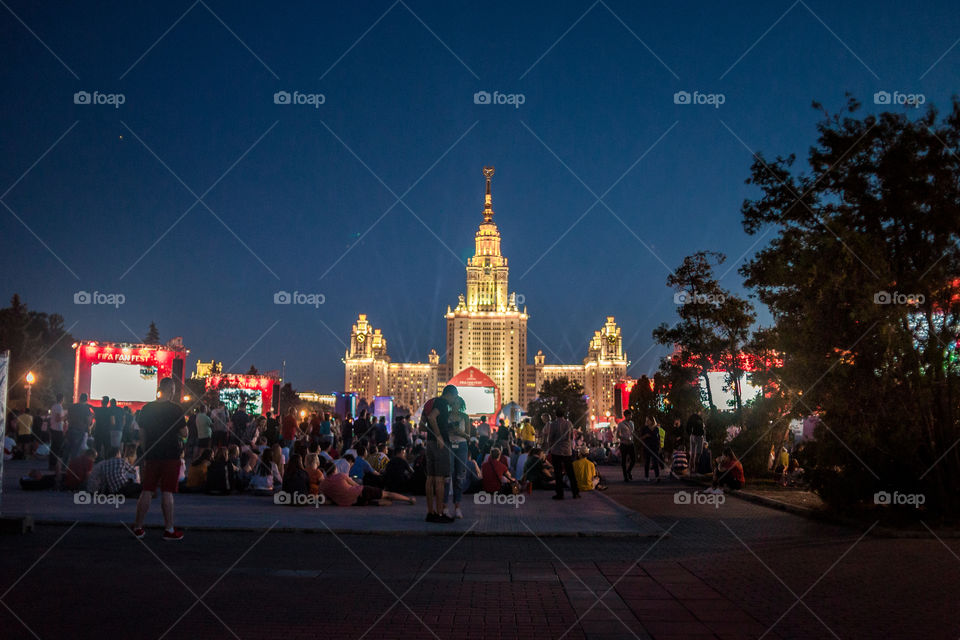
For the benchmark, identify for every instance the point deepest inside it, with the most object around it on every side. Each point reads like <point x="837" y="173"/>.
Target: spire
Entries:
<point x="487" y="199"/>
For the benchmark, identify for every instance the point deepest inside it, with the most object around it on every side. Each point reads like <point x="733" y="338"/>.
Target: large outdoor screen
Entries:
<point x="125" y="382"/>
<point x="233" y="397"/>
<point x="478" y="400"/>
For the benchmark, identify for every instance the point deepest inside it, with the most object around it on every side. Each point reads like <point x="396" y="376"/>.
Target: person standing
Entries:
<point x="162" y="429"/>
<point x="437" y="417"/>
<point x="346" y="433"/>
<point x="288" y="428"/>
<point x="325" y="432"/>
<point x="57" y="417"/>
<point x="79" y="420"/>
<point x="483" y="434"/>
<point x="240" y="419"/>
<point x="559" y="438"/>
<point x="696" y="431"/>
<point x="25" y="437"/>
<point x="401" y="433"/>
<point x="204" y="428"/>
<point x="219" y="418"/>
<point x="102" y="426"/>
<point x="650" y="441"/>
<point x="504" y="435"/>
<point x="457" y="432"/>
<point x="628" y="446"/>
<point x="116" y="425"/>
<point x="528" y="435"/>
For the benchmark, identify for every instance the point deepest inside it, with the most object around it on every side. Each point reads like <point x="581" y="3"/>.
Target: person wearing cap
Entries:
<point x="438" y="457"/>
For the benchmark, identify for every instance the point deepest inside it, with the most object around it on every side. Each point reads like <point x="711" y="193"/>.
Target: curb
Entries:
<point x="831" y="518"/>
<point x="53" y="522"/>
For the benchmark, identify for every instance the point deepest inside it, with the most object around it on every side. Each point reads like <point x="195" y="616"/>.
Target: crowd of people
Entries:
<point x="349" y="461"/>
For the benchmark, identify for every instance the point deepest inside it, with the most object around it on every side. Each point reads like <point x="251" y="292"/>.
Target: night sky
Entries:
<point x="303" y="198"/>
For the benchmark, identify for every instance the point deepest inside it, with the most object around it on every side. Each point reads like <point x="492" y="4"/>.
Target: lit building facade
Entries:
<point x="486" y="330"/>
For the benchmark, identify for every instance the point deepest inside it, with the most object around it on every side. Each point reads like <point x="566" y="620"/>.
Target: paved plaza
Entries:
<point x="737" y="570"/>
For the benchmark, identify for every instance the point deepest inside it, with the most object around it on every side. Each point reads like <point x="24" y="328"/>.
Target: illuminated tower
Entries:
<point x="487" y="330"/>
<point x="366" y="362"/>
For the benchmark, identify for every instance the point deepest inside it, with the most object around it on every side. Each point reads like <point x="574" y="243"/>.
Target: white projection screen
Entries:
<point x="478" y="400"/>
<point x="125" y="382"/>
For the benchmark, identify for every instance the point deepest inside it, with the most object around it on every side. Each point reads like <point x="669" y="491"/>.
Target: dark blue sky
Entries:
<point x="299" y="210"/>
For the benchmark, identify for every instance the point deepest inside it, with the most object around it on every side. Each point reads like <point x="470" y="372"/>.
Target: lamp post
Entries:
<point x="30" y="380"/>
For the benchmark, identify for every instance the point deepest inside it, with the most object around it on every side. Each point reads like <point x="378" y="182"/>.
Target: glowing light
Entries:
<point x="31" y="378"/>
<point x="186" y="398"/>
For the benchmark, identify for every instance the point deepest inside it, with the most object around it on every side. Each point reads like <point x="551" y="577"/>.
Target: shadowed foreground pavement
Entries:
<point x="735" y="571"/>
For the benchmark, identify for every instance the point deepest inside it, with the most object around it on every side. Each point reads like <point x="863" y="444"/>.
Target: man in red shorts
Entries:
<point x="162" y="430"/>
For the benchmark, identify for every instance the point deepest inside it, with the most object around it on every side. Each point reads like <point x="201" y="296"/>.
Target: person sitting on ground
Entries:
<point x="495" y="475"/>
<point x="233" y="455"/>
<point x="343" y="464"/>
<point x="398" y="473"/>
<point x="314" y="474"/>
<point x="793" y="474"/>
<point x="266" y="475"/>
<point x="78" y="470"/>
<point x="473" y="482"/>
<point x="246" y="469"/>
<point x="418" y="484"/>
<point x="325" y="450"/>
<point x="586" y="472"/>
<point x="343" y="491"/>
<point x="515" y="453"/>
<point x="296" y="479"/>
<point x="522" y="462"/>
<point x="537" y="471"/>
<point x="221" y="474"/>
<point x="378" y="458"/>
<point x="680" y="463"/>
<point x="729" y="473"/>
<point x="115" y="474"/>
<point x="280" y="458"/>
<point x="197" y="473"/>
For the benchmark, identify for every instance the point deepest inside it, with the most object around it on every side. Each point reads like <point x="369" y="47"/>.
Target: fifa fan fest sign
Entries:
<point x="129" y="373"/>
<point x="479" y="392"/>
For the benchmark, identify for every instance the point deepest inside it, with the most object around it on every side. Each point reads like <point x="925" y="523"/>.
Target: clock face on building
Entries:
<point x="612" y="339"/>
<point x="361" y="337"/>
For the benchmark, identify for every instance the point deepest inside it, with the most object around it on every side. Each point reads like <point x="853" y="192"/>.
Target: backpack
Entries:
<point x="424" y="412"/>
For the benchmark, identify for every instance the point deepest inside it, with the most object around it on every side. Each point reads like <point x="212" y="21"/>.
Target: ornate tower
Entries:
<point x="487" y="330"/>
<point x="487" y="270"/>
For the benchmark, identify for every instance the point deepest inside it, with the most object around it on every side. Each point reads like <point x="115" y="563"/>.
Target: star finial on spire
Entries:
<point x="487" y="200"/>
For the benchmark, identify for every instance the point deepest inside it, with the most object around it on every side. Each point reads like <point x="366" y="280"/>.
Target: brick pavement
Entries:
<point x="701" y="581"/>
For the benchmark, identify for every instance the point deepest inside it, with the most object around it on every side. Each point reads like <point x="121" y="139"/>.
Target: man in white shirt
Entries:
<point x="57" y="417"/>
<point x="628" y="446"/>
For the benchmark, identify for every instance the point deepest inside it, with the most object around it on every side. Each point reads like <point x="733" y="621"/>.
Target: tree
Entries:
<point x="153" y="336"/>
<point x="714" y="324"/>
<point x="679" y="386"/>
<point x="643" y="400"/>
<point x="253" y="371"/>
<point x="559" y="393"/>
<point x="288" y="398"/>
<point x="861" y="279"/>
<point x="37" y="342"/>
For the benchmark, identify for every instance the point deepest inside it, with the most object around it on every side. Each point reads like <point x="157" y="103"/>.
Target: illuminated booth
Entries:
<point x="258" y="392"/>
<point x="129" y="373"/>
<point x="383" y="406"/>
<point x="480" y="393"/>
<point x="345" y="404"/>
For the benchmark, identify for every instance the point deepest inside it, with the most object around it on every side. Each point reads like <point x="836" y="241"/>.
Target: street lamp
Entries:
<point x="30" y="380"/>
